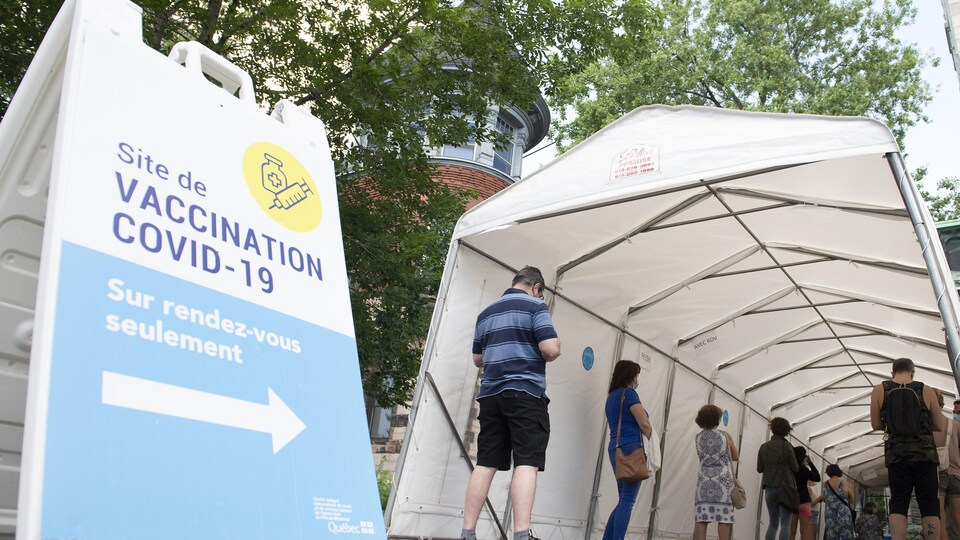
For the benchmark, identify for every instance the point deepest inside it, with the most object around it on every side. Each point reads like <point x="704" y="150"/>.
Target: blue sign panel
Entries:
<point x="226" y="417"/>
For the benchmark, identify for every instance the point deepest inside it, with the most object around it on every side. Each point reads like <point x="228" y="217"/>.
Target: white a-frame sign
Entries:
<point x="178" y="359"/>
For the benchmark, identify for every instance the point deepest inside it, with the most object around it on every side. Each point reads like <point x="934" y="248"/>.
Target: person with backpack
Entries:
<point x="907" y="412"/>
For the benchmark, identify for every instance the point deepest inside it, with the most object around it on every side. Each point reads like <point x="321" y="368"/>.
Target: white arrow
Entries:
<point x="274" y="418"/>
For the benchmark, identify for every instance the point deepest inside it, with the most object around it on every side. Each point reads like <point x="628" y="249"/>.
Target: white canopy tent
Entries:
<point x="771" y="264"/>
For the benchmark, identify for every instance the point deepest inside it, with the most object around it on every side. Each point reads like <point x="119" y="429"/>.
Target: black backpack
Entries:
<point x="902" y="406"/>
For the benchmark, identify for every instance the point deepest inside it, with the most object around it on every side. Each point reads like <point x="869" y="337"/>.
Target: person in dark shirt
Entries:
<point x="911" y="459"/>
<point x="778" y="464"/>
<point x="805" y="472"/>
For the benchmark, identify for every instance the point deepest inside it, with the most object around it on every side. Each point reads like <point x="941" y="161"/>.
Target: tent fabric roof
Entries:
<point x="771" y="264"/>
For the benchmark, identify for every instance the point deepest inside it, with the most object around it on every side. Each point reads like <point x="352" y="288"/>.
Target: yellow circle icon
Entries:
<point x="282" y="186"/>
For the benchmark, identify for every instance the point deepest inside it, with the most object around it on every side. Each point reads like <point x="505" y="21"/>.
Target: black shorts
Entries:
<point x="919" y="476"/>
<point x="513" y="421"/>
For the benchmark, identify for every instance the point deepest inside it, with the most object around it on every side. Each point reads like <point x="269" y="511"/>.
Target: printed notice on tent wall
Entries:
<point x="204" y="380"/>
<point x="638" y="160"/>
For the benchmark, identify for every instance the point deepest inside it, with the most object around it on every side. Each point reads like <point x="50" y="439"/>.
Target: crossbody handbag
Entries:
<point x="788" y="497"/>
<point x="630" y="467"/>
<point x="738" y="496"/>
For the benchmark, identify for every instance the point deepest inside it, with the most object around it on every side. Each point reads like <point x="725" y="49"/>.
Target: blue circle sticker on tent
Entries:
<point x="588" y="358"/>
<point x="726" y="417"/>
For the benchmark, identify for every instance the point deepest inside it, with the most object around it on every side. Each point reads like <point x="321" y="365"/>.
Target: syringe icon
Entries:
<point x="291" y="195"/>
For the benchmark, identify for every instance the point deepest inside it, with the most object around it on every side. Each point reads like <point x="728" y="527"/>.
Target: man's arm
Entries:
<point x="550" y="349"/>
<point x="876" y="402"/>
<point x="478" y="360"/>
<point x="933" y="405"/>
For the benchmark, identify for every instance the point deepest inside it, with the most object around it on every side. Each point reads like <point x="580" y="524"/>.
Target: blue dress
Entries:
<point x="714" y="500"/>
<point x="839" y="520"/>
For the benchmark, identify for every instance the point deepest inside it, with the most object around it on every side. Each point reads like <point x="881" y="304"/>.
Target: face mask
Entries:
<point x="956" y="417"/>
<point x="636" y="385"/>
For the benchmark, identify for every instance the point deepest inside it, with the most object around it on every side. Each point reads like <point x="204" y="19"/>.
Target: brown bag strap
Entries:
<point x="623" y="396"/>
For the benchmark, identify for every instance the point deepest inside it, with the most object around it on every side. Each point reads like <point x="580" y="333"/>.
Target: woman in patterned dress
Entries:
<point x="716" y="450"/>
<point x="837" y="495"/>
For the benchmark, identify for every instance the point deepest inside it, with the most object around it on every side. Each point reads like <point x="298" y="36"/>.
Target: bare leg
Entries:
<point x="477" y="489"/>
<point x="523" y="487"/>
<point x="793" y="527"/>
<point x="898" y="526"/>
<point x="954" y="503"/>
<point x="699" y="531"/>
<point x="930" y="527"/>
<point x="805" y="529"/>
<point x="943" y="517"/>
<point x="724" y="530"/>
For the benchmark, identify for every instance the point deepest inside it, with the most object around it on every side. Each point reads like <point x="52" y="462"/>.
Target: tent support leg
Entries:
<point x="602" y="454"/>
<point x="463" y="448"/>
<point x="651" y="526"/>
<point x="938" y="277"/>
<point x="735" y="469"/>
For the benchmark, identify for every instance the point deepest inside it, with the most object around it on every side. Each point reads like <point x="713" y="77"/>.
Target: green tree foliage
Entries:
<point x="386" y="74"/>
<point x="835" y="57"/>
<point x="944" y="200"/>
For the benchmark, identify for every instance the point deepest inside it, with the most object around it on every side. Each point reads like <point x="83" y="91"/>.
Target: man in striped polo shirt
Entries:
<point x="514" y="340"/>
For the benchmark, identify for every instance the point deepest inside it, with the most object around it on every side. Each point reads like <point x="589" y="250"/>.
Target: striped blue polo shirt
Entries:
<point x="507" y="335"/>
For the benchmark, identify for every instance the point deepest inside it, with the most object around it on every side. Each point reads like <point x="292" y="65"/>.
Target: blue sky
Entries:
<point x="934" y="144"/>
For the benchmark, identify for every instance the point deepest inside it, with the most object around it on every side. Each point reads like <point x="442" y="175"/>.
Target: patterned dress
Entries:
<point x="839" y="520"/>
<point x="713" y="502"/>
<point x="868" y="527"/>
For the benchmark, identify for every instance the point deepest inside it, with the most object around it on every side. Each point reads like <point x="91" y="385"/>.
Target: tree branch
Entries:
<point x="395" y="33"/>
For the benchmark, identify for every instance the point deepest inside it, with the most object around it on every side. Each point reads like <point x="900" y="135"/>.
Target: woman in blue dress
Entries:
<point x="624" y="409"/>
<point x="714" y="501"/>
<point x="839" y="499"/>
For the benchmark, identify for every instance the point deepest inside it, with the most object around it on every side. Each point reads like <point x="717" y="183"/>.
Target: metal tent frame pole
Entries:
<point x="601" y="454"/>
<point x="946" y="299"/>
<point x="651" y="526"/>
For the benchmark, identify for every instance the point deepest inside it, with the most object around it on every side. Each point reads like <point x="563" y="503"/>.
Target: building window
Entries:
<point x="378" y="420"/>
<point x="503" y="152"/>
<point x="466" y="150"/>
<point x="463" y="152"/>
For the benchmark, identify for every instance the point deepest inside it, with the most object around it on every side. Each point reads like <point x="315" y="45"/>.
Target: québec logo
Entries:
<point x="365" y="527"/>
